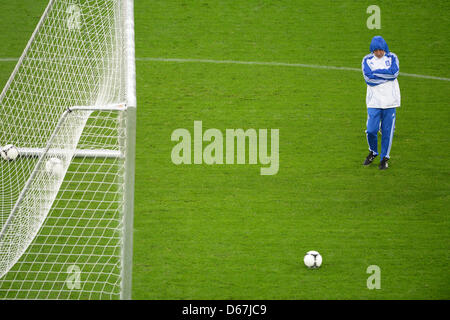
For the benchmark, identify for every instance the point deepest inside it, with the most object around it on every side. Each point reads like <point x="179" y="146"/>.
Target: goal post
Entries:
<point x="130" y="93"/>
<point x="67" y="200"/>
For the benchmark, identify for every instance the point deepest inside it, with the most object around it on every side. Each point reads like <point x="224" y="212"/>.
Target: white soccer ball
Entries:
<point x="312" y="259"/>
<point x="9" y="152"/>
<point x="54" y="166"/>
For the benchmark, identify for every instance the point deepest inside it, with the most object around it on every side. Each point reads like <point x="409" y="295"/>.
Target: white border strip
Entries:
<point x="9" y="59"/>
<point x="282" y="64"/>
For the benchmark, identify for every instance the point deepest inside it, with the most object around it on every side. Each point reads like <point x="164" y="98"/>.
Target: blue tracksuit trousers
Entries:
<point x="383" y="119"/>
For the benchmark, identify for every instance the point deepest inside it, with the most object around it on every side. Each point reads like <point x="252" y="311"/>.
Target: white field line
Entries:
<point x="282" y="64"/>
<point x="279" y="64"/>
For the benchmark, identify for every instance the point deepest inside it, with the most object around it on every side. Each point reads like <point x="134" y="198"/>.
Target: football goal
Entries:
<point x="67" y="139"/>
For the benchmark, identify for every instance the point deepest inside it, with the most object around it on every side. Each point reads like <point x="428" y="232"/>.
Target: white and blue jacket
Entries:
<point x="380" y="75"/>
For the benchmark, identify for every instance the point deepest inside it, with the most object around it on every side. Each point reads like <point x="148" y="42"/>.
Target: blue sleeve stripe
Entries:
<point x="385" y="75"/>
<point x="373" y="81"/>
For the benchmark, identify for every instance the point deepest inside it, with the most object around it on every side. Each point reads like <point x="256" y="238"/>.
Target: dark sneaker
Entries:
<point x="370" y="158"/>
<point x="383" y="164"/>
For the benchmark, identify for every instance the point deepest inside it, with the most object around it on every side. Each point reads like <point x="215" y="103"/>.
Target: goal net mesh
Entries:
<point x="62" y="231"/>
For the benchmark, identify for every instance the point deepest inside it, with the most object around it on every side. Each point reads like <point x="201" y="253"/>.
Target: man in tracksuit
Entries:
<point x="380" y="69"/>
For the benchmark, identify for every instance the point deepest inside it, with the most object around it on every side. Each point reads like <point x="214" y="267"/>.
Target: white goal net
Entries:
<point x="66" y="197"/>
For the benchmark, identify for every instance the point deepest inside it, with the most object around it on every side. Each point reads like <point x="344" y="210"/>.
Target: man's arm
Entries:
<point x="392" y="72"/>
<point x="369" y="76"/>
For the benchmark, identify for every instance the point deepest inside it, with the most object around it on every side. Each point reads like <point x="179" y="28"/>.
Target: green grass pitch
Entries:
<point x="225" y="231"/>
